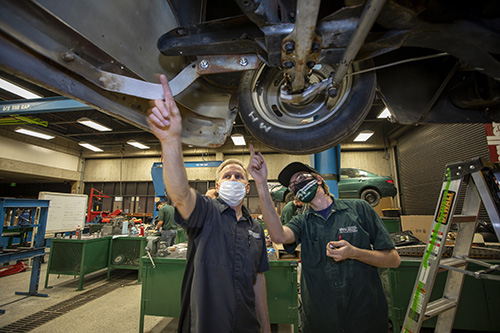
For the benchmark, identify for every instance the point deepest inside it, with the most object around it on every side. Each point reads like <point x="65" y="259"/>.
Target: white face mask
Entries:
<point x="232" y="192"/>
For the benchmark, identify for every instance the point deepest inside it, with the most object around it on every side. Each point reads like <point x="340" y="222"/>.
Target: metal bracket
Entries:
<point x="202" y="66"/>
<point x="459" y="170"/>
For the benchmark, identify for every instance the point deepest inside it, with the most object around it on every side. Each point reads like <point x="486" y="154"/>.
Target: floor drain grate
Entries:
<point x="39" y="318"/>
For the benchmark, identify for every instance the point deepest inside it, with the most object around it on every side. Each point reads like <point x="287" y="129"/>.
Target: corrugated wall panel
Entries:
<point x="423" y="155"/>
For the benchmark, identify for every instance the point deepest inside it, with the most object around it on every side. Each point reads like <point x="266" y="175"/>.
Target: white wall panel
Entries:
<point x="139" y="169"/>
<point x="113" y="170"/>
<point x="23" y="152"/>
<point x="377" y="162"/>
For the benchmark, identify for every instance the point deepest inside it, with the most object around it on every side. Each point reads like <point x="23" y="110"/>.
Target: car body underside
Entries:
<point x="303" y="75"/>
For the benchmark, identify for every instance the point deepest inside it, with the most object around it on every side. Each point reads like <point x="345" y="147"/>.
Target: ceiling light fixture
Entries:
<point x="17" y="90"/>
<point x="34" y="133"/>
<point x="238" y="140"/>
<point x="93" y="124"/>
<point x="384" y="114"/>
<point x="91" y="147"/>
<point x="363" y="136"/>
<point x="137" y="144"/>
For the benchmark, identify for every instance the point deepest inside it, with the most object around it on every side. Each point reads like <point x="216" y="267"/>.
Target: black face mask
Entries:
<point x="300" y="185"/>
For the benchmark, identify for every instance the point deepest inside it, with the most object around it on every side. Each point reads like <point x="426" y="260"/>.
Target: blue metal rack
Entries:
<point x="36" y="251"/>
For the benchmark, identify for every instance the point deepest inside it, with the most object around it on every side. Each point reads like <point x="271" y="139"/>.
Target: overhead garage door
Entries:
<point x="422" y="156"/>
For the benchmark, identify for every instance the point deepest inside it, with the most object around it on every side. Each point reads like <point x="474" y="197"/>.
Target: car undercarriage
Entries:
<point x="302" y="75"/>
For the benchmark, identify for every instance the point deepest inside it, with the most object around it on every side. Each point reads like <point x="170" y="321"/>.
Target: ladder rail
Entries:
<point x="463" y="243"/>
<point x="487" y="199"/>
<point x="426" y="276"/>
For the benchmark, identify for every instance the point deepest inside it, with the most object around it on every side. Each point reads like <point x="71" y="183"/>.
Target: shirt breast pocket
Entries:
<point x="312" y="254"/>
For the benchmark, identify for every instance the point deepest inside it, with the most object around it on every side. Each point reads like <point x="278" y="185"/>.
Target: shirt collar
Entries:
<point x="222" y="207"/>
<point x="336" y="206"/>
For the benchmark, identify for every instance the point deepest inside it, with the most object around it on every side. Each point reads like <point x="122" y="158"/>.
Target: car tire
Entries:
<point x="309" y="127"/>
<point x="371" y="196"/>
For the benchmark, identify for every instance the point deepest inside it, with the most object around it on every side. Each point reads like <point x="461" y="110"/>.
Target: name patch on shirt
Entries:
<point x="348" y="230"/>
<point x="255" y="235"/>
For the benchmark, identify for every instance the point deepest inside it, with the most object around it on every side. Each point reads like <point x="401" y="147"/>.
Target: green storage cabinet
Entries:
<point x="77" y="257"/>
<point x="161" y="290"/>
<point x="125" y="252"/>
<point x="393" y="224"/>
<point x="282" y="293"/>
<point x="161" y="287"/>
<point x="479" y="305"/>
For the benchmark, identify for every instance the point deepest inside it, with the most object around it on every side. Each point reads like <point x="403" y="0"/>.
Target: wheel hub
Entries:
<point x="311" y="111"/>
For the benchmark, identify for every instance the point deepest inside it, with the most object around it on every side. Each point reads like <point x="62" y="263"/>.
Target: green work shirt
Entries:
<point x="166" y="214"/>
<point x="289" y="211"/>
<point x="344" y="296"/>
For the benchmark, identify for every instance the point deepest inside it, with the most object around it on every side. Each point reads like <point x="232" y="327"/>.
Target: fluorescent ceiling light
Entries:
<point x="238" y="140"/>
<point x="95" y="125"/>
<point x="34" y="133"/>
<point x="384" y="114"/>
<point x="137" y="144"/>
<point x="89" y="146"/>
<point x="17" y="90"/>
<point x="363" y="136"/>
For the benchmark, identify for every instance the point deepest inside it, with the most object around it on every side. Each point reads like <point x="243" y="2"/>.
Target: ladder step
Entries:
<point x="449" y="263"/>
<point x="464" y="218"/>
<point x="453" y="262"/>
<point x="439" y="306"/>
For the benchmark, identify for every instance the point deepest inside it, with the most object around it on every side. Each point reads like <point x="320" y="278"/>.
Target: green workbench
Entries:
<point x="125" y="252"/>
<point x="77" y="257"/>
<point x="161" y="290"/>
<point x="479" y="305"/>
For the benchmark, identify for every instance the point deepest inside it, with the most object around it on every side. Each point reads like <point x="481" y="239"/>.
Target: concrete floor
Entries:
<point x="114" y="307"/>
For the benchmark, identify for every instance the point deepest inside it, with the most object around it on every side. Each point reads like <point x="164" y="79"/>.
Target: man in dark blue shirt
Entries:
<point x="224" y="285"/>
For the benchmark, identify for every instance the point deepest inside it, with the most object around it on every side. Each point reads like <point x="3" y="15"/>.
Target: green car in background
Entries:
<point x="354" y="183"/>
<point x="357" y="183"/>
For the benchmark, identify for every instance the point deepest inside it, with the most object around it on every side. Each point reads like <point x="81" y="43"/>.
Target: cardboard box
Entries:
<point x="283" y="255"/>
<point x="383" y="204"/>
<point x="419" y="225"/>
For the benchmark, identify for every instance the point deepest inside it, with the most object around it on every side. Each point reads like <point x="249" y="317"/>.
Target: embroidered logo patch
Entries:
<point x="255" y="235"/>
<point x="348" y="230"/>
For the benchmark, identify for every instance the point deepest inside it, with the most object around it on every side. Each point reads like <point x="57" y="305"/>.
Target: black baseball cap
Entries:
<point x="291" y="169"/>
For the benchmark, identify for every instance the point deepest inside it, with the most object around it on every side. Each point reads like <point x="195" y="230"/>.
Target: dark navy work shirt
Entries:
<point x="341" y="296"/>
<point x="223" y="259"/>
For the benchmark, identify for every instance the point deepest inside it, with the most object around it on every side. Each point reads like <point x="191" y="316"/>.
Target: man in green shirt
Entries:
<point x="342" y="244"/>
<point x="292" y="208"/>
<point x="166" y="223"/>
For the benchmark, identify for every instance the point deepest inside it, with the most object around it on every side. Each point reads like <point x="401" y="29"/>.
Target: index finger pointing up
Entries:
<point x="167" y="93"/>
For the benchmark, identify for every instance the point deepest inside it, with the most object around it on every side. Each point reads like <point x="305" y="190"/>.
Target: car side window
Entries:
<point x="347" y="173"/>
<point x="361" y="173"/>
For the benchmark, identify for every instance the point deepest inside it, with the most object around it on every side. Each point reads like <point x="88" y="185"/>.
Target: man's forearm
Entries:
<point x="378" y="258"/>
<point x="175" y="177"/>
<point x="271" y="219"/>
<point x="160" y="224"/>
<point x="261" y="302"/>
